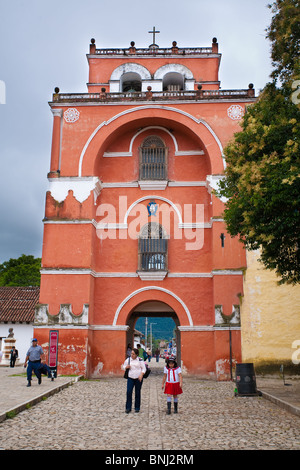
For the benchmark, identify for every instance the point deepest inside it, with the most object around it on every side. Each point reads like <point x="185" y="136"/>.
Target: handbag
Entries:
<point x="148" y="371"/>
<point x="126" y="371"/>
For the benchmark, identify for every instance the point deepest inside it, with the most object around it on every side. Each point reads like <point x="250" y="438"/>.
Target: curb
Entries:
<point x="286" y="406"/>
<point x="33" y="401"/>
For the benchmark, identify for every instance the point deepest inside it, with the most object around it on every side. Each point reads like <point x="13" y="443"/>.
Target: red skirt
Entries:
<point x="173" y="388"/>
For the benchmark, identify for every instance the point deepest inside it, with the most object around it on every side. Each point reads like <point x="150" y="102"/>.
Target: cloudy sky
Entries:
<point x="43" y="44"/>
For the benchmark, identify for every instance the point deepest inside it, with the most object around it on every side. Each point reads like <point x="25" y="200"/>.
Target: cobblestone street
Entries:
<point x="91" y="415"/>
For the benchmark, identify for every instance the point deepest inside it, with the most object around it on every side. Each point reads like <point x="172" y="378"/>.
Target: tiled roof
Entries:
<point x="18" y="303"/>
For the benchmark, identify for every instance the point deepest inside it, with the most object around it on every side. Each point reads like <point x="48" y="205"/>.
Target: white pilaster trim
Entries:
<point x="57" y="112"/>
<point x="96" y="274"/>
<point x="189" y="153"/>
<point x="208" y="328"/>
<point x="85" y="327"/>
<point x="56" y="326"/>
<point x="187" y="183"/>
<point x="71" y="222"/>
<point x="129" y="184"/>
<point x="122" y="226"/>
<point x="204" y="328"/>
<point x="191" y="225"/>
<point x="117" y="154"/>
<point x="109" y="327"/>
<point x="190" y="275"/>
<point x="196" y="328"/>
<point x="227" y="272"/>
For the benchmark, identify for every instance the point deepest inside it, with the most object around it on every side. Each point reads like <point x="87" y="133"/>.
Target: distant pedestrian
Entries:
<point x="13" y="356"/>
<point x="34" y="356"/>
<point x="149" y="354"/>
<point x="142" y="352"/>
<point x="173" y="380"/>
<point x="136" y="373"/>
<point x="129" y="349"/>
<point x="157" y="353"/>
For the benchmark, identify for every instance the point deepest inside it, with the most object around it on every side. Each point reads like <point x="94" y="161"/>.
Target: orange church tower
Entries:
<point x="132" y="227"/>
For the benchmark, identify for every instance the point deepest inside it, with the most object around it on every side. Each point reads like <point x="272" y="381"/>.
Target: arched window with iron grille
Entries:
<point x="153" y="245"/>
<point x="153" y="159"/>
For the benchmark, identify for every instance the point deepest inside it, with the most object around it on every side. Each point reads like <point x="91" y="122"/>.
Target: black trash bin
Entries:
<point x="245" y="379"/>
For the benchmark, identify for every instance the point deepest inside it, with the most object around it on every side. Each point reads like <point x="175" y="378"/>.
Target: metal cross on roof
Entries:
<point x="153" y="32"/>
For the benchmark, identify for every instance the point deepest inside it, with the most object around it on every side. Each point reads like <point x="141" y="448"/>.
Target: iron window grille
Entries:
<point x="153" y="247"/>
<point x="153" y="159"/>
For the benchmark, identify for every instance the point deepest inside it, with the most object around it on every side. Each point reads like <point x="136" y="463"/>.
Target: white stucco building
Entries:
<point x="17" y="305"/>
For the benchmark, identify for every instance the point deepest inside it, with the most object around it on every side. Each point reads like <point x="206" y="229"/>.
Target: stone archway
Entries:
<point x="157" y="309"/>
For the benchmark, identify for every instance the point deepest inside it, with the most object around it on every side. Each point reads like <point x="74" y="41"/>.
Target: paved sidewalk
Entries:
<point x="15" y="396"/>
<point x="286" y="394"/>
<point x="90" y="415"/>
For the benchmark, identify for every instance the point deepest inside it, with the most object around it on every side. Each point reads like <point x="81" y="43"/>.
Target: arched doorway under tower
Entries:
<point x="156" y="309"/>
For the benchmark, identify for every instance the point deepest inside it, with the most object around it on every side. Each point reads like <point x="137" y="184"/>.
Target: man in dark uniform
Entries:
<point x="33" y="357"/>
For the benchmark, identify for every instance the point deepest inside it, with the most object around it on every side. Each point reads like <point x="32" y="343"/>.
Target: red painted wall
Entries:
<point x="83" y="264"/>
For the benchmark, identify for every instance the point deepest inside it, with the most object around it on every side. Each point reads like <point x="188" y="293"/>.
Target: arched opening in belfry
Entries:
<point x="152" y="321"/>
<point x="131" y="82"/>
<point x="173" y="81"/>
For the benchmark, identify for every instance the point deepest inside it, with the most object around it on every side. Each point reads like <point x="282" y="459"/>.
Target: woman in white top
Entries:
<point x="136" y="373"/>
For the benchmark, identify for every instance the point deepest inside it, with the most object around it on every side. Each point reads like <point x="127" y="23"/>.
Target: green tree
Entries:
<point x="284" y="35"/>
<point x="263" y="182"/>
<point x="23" y="271"/>
<point x="262" y="178"/>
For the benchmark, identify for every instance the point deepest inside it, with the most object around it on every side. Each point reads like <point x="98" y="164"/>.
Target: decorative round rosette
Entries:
<point x="71" y="115"/>
<point x="235" y="112"/>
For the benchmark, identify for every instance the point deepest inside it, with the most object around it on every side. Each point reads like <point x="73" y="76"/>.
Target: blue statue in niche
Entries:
<point x="152" y="208"/>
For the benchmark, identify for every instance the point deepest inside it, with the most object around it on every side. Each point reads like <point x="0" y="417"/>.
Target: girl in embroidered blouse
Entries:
<point x="173" y="380"/>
